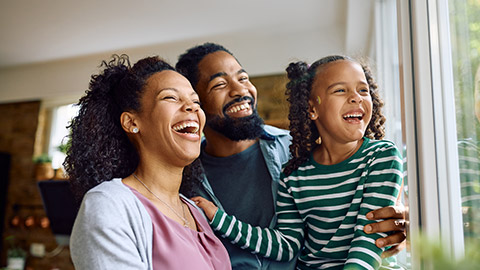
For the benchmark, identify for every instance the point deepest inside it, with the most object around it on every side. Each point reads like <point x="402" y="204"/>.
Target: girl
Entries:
<point x="339" y="171"/>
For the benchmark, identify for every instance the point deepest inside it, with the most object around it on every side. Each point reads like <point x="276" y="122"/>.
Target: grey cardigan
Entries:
<point x="113" y="230"/>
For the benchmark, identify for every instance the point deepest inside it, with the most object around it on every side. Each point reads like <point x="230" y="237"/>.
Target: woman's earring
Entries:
<point x="135" y="130"/>
<point x="319" y="140"/>
<point x="312" y="115"/>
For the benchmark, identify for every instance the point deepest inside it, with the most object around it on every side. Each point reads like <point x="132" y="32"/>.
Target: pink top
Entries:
<point x="177" y="247"/>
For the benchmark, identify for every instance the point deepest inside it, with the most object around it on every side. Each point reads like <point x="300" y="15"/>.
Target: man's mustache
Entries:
<point x="237" y="100"/>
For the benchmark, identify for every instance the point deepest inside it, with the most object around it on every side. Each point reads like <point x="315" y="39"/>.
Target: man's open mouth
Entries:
<point x="239" y="107"/>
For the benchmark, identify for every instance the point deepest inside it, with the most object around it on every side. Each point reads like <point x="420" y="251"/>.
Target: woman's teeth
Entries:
<point x="187" y="127"/>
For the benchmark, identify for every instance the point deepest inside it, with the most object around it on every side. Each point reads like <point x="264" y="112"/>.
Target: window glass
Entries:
<point x="387" y="69"/>
<point x="465" y="40"/>
<point x="61" y="119"/>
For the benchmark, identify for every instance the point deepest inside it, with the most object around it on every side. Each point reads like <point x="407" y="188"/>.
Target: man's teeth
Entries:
<point x="182" y="126"/>
<point x="237" y="108"/>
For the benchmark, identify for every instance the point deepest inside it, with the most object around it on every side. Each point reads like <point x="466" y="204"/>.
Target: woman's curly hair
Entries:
<point x="100" y="149"/>
<point x="302" y="128"/>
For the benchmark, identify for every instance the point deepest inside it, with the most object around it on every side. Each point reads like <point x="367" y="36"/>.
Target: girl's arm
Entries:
<point x="280" y="244"/>
<point x="380" y="189"/>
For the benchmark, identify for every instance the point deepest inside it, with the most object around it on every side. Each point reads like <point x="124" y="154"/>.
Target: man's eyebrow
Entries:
<point x="241" y="71"/>
<point x="219" y="74"/>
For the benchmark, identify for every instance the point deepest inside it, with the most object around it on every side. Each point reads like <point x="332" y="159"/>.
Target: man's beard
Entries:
<point x="238" y="129"/>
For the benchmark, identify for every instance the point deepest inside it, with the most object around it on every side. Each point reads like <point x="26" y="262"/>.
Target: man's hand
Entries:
<point x="208" y="207"/>
<point x="394" y="222"/>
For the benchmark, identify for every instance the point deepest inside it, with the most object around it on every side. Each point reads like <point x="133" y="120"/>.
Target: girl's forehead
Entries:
<point x="338" y="70"/>
<point x="328" y="67"/>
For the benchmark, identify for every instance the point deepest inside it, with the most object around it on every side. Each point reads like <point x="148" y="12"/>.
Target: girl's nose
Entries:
<point x="355" y="97"/>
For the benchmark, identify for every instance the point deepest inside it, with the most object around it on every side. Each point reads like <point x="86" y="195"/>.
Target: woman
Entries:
<point x="136" y="130"/>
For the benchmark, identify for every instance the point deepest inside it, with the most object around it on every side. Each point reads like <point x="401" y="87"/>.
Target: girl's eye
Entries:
<point x="364" y="92"/>
<point x="243" y="79"/>
<point x="197" y="102"/>
<point x="339" y="91"/>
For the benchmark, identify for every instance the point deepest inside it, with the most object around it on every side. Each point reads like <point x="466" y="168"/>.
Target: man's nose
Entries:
<point x="238" y="89"/>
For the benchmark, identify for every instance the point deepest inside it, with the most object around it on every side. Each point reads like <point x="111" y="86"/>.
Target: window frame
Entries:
<point x="428" y="101"/>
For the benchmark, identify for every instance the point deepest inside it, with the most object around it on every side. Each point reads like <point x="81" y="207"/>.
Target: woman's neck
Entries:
<point x="160" y="179"/>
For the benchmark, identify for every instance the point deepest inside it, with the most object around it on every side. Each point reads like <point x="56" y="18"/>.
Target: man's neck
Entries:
<point x="220" y="146"/>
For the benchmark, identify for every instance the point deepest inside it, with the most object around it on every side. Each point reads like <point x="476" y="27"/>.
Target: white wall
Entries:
<point x="66" y="80"/>
<point x="261" y="53"/>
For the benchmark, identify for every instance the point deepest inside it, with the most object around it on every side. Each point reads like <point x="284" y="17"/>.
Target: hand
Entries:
<point x="208" y="207"/>
<point x="394" y="222"/>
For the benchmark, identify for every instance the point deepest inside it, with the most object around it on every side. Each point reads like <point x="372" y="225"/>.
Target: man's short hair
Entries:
<point x="187" y="64"/>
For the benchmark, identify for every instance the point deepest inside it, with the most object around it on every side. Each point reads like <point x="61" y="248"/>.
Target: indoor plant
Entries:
<point x="15" y="255"/>
<point x="43" y="167"/>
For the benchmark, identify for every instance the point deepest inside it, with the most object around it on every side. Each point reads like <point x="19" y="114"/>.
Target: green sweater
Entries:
<point x="322" y="209"/>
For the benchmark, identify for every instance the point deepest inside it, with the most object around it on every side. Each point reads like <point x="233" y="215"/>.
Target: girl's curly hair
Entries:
<point x="100" y="149"/>
<point x="302" y="129"/>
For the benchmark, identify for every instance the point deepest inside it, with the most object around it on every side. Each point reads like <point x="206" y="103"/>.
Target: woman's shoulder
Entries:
<point x="112" y="191"/>
<point x="112" y="200"/>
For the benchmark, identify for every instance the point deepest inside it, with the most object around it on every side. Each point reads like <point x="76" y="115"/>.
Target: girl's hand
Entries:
<point x="208" y="207"/>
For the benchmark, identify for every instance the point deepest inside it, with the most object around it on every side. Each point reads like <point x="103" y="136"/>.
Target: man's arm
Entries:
<point x="280" y="244"/>
<point x="394" y="222"/>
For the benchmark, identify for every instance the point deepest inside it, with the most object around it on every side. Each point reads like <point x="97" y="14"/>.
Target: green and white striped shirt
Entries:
<point x="322" y="209"/>
<point x="469" y="165"/>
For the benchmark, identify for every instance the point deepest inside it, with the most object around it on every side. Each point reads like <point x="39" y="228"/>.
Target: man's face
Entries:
<point x="221" y="80"/>
<point x="228" y="97"/>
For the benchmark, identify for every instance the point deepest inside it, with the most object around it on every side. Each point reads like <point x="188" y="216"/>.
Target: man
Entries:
<point x="241" y="157"/>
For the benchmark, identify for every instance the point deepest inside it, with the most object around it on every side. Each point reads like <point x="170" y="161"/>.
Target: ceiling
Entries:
<point x="35" y="31"/>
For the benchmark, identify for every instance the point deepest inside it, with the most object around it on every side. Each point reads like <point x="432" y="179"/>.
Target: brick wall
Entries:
<point x="19" y="127"/>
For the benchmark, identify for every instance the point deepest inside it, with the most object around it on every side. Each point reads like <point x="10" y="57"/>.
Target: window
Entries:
<point x="465" y="44"/>
<point x="440" y="48"/>
<point x="61" y="118"/>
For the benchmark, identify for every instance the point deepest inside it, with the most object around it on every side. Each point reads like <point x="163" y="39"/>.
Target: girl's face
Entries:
<point x="340" y="102"/>
<point x="170" y="121"/>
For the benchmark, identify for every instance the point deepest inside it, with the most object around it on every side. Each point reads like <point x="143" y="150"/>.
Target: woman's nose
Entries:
<point x="191" y="106"/>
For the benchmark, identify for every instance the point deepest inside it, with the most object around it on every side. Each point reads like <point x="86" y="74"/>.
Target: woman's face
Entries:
<point x="340" y="99"/>
<point x="170" y="121"/>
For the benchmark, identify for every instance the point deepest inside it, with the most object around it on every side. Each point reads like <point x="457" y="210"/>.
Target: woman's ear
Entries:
<point x="128" y="122"/>
<point x="312" y="112"/>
